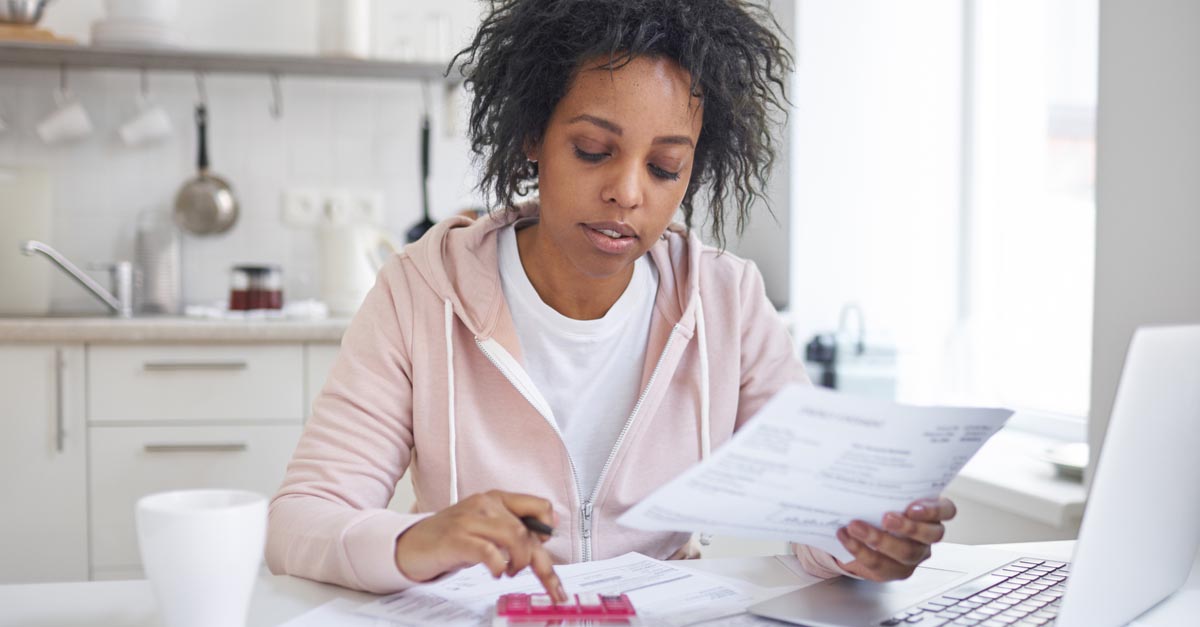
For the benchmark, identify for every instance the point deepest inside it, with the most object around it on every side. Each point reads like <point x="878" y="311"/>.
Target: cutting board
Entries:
<point x="13" y="32"/>
<point x="26" y="212"/>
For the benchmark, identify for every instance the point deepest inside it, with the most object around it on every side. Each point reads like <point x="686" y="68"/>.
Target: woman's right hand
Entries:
<point x="481" y="529"/>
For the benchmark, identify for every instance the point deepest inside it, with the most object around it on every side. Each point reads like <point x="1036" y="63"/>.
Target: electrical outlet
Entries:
<point x="365" y="207"/>
<point x="301" y="207"/>
<point x="336" y="208"/>
<point x="308" y="207"/>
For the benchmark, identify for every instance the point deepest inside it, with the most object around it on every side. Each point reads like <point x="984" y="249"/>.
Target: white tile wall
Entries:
<point x="352" y="134"/>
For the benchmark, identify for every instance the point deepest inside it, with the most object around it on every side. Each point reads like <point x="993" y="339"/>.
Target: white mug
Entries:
<point x="201" y="550"/>
<point x="68" y="121"/>
<point x="150" y="124"/>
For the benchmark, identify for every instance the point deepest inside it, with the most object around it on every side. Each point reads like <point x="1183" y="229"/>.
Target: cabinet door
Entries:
<point x="199" y="382"/>
<point x="43" y="527"/>
<point x="128" y="463"/>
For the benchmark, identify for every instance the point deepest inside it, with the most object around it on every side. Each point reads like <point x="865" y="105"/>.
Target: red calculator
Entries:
<point x="589" y="608"/>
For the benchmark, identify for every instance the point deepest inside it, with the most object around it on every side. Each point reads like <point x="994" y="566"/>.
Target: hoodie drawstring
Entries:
<point x="702" y="342"/>
<point x="705" y="438"/>
<point x="450" y="401"/>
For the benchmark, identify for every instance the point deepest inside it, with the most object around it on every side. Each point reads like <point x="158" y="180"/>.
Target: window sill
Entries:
<point x="1008" y="474"/>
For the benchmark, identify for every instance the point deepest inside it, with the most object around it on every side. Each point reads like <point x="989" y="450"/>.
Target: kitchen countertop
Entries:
<point x="168" y="329"/>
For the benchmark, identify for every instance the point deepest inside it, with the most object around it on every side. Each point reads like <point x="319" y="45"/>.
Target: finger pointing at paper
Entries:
<point x="894" y="551"/>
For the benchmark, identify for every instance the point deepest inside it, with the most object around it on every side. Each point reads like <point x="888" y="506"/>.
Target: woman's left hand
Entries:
<point x="895" y="551"/>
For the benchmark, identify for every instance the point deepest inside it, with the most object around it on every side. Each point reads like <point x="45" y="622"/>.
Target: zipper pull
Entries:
<point x="587" y="519"/>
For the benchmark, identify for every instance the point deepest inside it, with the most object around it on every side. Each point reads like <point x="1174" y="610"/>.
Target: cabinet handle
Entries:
<point x="164" y="366"/>
<point x="59" y="366"/>
<point x="195" y="447"/>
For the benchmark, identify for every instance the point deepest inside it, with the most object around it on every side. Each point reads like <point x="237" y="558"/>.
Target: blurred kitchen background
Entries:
<point x="334" y="135"/>
<point x="976" y="202"/>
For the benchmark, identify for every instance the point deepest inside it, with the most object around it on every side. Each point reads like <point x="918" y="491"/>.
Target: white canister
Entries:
<point x="344" y="28"/>
<point x="26" y="212"/>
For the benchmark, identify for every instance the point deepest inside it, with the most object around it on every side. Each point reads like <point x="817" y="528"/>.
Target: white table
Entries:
<point x="281" y="598"/>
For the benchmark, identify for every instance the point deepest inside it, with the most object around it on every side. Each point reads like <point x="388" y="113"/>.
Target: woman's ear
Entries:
<point x="532" y="150"/>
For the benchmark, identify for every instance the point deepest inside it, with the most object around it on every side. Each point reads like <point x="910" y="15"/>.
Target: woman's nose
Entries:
<point x="624" y="186"/>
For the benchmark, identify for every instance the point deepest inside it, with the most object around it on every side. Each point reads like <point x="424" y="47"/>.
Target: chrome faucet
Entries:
<point x="122" y="278"/>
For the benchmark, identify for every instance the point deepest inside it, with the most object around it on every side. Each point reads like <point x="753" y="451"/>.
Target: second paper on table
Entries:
<point x="811" y="460"/>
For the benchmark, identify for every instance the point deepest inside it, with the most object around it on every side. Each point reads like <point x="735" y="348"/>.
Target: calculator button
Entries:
<point x="589" y="599"/>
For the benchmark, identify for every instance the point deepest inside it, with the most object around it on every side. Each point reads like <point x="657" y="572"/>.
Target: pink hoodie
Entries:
<point x="429" y="379"/>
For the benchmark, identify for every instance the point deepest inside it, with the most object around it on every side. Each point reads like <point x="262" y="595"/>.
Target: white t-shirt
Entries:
<point x="589" y="371"/>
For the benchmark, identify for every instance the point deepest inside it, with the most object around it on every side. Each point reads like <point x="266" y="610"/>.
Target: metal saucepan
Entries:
<point x="205" y="205"/>
<point x="23" y="12"/>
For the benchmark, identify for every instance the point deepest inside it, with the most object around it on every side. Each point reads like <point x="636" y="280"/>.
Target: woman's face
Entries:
<point x="615" y="161"/>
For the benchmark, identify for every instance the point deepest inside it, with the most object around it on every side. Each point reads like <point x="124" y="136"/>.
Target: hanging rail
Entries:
<point x="193" y="61"/>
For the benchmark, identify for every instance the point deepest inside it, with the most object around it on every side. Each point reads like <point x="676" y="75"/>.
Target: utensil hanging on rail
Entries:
<point x="420" y="228"/>
<point x="205" y="205"/>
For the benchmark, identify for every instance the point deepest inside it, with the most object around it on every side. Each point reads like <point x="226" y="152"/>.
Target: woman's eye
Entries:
<point x="596" y="157"/>
<point x="663" y="174"/>
<point x="589" y="156"/>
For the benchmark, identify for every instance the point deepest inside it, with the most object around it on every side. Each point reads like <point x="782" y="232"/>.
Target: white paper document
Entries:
<point x="339" y="612"/>
<point x="662" y="593"/>
<point x="811" y="461"/>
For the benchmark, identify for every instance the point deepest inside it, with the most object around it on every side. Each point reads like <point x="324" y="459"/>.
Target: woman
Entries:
<point x="562" y="358"/>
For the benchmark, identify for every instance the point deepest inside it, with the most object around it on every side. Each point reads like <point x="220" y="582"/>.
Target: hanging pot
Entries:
<point x="205" y="205"/>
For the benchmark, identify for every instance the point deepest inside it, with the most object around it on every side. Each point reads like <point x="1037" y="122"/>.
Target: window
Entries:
<point x="942" y="179"/>
<point x="1027" y="300"/>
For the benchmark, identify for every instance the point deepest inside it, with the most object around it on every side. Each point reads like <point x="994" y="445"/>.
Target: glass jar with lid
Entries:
<point x="255" y="287"/>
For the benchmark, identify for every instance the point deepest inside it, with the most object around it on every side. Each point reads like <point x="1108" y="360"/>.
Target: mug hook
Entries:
<point x="276" y="106"/>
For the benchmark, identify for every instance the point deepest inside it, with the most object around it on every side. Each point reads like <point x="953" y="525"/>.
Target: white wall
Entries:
<point x="767" y="239"/>
<point x="1148" y="182"/>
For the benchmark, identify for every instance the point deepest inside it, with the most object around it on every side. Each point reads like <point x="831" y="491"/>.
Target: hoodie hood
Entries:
<point x="457" y="258"/>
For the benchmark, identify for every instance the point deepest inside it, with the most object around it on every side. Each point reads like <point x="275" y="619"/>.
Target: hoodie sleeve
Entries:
<point x="328" y="521"/>
<point x="769" y="359"/>
<point x="769" y="362"/>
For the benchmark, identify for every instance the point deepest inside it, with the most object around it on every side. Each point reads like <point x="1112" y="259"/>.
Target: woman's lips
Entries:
<point x="605" y="242"/>
<point x="621" y="228"/>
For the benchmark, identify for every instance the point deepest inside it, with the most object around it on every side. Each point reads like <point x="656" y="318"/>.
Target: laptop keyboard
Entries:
<point x="1026" y="592"/>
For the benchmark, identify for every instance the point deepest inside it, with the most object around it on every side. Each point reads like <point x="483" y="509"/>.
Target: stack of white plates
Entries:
<point x="130" y="32"/>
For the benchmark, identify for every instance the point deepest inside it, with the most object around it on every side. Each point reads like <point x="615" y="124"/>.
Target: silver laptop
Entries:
<point x="1142" y="516"/>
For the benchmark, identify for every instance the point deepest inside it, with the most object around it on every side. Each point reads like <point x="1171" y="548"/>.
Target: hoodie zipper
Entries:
<point x="586" y="511"/>
<point x="586" y="507"/>
<point x="587" y="537"/>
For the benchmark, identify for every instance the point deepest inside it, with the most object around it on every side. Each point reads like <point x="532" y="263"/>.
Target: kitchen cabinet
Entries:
<point x="196" y="382"/>
<point x="89" y="427"/>
<point x="43" y="448"/>
<point x="184" y="416"/>
<point x="127" y="463"/>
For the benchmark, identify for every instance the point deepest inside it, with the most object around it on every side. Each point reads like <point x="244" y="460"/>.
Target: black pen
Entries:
<point x="533" y="524"/>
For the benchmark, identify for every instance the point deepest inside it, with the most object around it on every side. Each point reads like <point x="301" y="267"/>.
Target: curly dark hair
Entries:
<point x="526" y="53"/>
